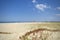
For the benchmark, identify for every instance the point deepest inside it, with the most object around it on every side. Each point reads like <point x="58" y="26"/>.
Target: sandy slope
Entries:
<point x="19" y="29"/>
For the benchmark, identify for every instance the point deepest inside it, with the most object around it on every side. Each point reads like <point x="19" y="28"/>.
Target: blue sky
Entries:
<point x="29" y="10"/>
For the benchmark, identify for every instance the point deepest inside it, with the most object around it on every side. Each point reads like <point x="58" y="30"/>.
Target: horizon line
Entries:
<point x="24" y="21"/>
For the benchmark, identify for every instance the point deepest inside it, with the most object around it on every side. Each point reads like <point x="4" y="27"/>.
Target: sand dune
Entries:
<point x="12" y="31"/>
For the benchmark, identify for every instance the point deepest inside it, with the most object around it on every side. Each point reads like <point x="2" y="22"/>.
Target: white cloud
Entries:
<point x="34" y="1"/>
<point x="58" y="8"/>
<point x="41" y="7"/>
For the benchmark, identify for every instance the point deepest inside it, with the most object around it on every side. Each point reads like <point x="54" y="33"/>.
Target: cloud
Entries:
<point x="58" y="8"/>
<point x="41" y="7"/>
<point x="57" y="14"/>
<point x="34" y="1"/>
<point x="38" y="6"/>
